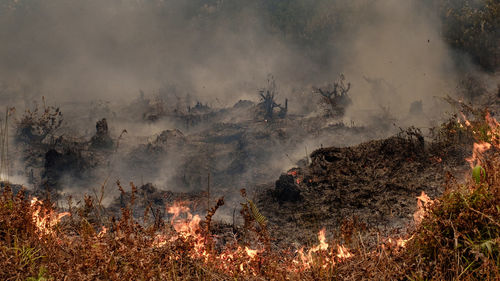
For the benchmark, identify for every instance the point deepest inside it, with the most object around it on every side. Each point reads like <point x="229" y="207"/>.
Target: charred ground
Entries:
<point x="374" y="183"/>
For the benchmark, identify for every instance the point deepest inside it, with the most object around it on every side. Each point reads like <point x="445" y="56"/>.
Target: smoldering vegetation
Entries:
<point x="274" y="120"/>
<point x="187" y="94"/>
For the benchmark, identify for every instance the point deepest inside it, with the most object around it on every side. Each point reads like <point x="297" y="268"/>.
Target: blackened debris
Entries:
<point x="101" y="140"/>
<point x="287" y="190"/>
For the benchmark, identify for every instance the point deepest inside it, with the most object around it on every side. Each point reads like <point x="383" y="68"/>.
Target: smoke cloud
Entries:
<point x="218" y="52"/>
<point x="81" y="50"/>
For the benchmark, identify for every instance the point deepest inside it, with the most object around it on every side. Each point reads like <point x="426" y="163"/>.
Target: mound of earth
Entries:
<point x="376" y="183"/>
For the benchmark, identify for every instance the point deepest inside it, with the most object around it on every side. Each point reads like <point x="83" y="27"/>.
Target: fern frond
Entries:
<point x="259" y="218"/>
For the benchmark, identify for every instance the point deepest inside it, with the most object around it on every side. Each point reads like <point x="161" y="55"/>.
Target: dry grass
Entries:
<point x="457" y="239"/>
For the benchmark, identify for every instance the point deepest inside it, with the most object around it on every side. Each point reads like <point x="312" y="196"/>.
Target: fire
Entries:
<point x="322" y="246"/>
<point x="251" y="253"/>
<point x="343" y="252"/>
<point x="160" y="241"/>
<point x="294" y="174"/>
<point x="103" y="232"/>
<point x="188" y="227"/>
<point x="467" y="122"/>
<point x="45" y="222"/>
<point x="494" y="132"/>
<point x="424" y="198"/>
<point x="477" y="150"/>
<point x="402" y="242"/>
<point x="398" y="243"/>
<point x="424" y="201"/>
<point x="242" y="259"/>
<point x="328" y="258"/>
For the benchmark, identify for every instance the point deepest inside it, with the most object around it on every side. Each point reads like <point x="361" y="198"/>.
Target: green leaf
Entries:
<point x="478" y="174"/>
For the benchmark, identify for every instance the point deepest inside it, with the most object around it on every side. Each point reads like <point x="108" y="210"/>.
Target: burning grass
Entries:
<point x="38" y="242"/>
<point x="455" y="237"/>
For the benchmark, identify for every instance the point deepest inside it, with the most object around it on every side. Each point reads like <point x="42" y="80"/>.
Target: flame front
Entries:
<point x="319" y="254"/>
<point x="242" y="259"/>
<point x="492" y="134"/>
<point x="477" y="150"/>
<point x="424" y="201"/>
<point x="45" y="222"/>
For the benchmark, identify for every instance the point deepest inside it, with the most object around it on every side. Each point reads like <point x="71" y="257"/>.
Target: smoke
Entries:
<point x="110" y="49"/>
<point x="398" y="57"/>
<point x="74" y="52"/>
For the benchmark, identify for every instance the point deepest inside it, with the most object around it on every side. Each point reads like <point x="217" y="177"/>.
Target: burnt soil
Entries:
<point x="374" y="184"/>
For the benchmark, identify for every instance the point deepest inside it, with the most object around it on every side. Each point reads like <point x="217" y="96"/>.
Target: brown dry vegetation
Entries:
<point x="457" y="239"/>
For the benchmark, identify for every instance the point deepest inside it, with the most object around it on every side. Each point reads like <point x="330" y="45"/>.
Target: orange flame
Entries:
<point x="294" y="174"/>
<point x="103" y="232"/>
<point x="477" y="150"/>
<point x="398" y="243"/>
<point x="343" y="252"/>
<point x="307" y="260"/>
<point x="322" y="246"/>
<point x="467" y="122"/>
<point x="251" y="253"/>
<point x="187" y="227"/>
<point x="243" y="260"/>
<point x="423" y="203"/>
<point x="481" y="147"/>
<point x="402" y="242"/>
<point x="160" y="240"/>
<point x="45" y="222"/>
<point x="494" y="132"/>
